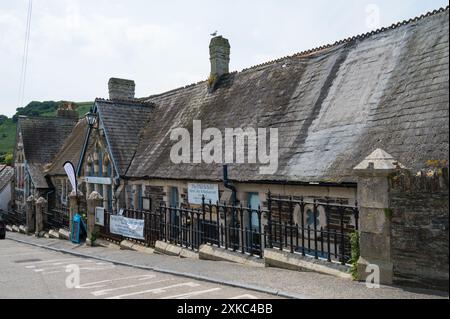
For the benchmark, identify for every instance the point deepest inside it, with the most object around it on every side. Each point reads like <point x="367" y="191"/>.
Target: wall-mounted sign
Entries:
<point x="197" y="191"/>
<point x="127" y="227"/>
<point x="99" y="216"/>
<point x="98" y="180"/>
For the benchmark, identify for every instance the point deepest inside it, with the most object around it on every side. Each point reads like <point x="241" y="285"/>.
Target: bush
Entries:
<point x="9" y="159"/>
<point x="354" y="240"/>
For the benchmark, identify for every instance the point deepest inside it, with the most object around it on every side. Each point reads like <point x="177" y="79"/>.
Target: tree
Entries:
<point x="9" y="159"/>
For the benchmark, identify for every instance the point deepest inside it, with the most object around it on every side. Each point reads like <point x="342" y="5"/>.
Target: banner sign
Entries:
<point x="127" y="227"/>
<point x="197" y="191"/>
<point x="99" y="216"/>
<point x="70" y="171"/>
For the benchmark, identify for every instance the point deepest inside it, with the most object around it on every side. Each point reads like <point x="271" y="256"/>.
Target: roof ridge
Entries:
<point x="353" y="38"/>
<point x="134" y="102"/>
<point x="319" y="48"/>
<point x="34" y="117"/>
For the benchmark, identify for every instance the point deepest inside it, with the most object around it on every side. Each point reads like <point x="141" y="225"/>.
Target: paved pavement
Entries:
<point x="32" y="272"/>
<point x="275" y="281"/>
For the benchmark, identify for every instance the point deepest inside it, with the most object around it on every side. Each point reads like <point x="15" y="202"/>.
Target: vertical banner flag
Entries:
<point x="70" y="171"/>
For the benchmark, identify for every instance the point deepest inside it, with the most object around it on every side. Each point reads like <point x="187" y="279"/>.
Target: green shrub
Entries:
<point x="354" y="240"/>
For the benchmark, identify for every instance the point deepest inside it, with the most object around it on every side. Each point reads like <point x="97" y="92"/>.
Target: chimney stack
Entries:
<point x="67" y="110"/>
<point x="121" y="89"/>
<point x="219" y="52"/>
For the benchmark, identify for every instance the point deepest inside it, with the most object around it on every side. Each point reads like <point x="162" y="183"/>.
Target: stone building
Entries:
<point x="362" y="120"/>
<point x="6" y="185"/>
<point x="38" y="139"/>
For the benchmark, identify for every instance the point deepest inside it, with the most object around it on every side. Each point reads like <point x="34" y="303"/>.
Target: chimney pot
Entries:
<point x="121" y="89"/>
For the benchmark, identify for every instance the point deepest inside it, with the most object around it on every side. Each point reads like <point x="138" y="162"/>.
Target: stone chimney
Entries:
<point x="67" y="110"/>
<point x="219" y="52"/>
<point x="121" y="89"/>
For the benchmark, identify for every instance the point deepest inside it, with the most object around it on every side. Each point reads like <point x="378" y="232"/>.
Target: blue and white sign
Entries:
<point x="127" y="227"/>
<point x="197" y="191"/>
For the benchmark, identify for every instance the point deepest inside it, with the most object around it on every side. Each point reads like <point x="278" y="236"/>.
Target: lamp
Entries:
<point x="90" y="118"/>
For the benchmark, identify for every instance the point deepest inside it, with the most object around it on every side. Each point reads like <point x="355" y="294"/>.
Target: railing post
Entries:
<point x="342" y="229"/>
<point x="291" y="223"/>
<point x="203" y="235"/>
<point x="327" y="213"/>
<point x="316" y="253"/>
<point x="302" y="213"/>
<point x="269" y="218"/>
<point x="242" y="229"/>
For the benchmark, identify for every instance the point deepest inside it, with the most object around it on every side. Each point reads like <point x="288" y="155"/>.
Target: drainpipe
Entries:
<point x="229" y="185"/>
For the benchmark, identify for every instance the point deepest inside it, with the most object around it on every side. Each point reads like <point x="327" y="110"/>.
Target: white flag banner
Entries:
<point x="70" y="171"/>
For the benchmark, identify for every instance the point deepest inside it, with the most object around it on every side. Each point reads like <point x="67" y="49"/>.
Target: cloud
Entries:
<point x="76" y="45"/>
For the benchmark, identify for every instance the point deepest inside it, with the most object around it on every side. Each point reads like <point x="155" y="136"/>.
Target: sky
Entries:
<point x="77" y="45"/>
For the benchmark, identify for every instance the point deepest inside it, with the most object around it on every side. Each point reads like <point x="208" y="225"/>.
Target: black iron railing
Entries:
<point x="320" y="229"/>
<point x="57" y="218"/>
<point x="14" y="217"/>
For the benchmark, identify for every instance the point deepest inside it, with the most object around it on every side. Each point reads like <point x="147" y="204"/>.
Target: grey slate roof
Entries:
<point x="70" y="151"/>
<point x="333" y="107"/>
<point x="122" y="122"/>
<point x="6" y="176"/>
<point x="42" y="138"/>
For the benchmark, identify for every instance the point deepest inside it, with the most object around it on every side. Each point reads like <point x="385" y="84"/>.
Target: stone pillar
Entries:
<point x="94" y="200"/>
<point x="31" y="215"/>
<point x="375" y="226"/>
<point x="74" y="200"/>
<point x="41" y="208"/>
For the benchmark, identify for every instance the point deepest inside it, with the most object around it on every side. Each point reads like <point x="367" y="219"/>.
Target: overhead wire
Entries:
<point x="23" y="73"/>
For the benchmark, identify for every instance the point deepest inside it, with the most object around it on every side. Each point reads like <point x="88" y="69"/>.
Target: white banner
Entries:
<point x="70" y="171"/>
<point x="127" y="227"/>
<point x="197" y="191"/>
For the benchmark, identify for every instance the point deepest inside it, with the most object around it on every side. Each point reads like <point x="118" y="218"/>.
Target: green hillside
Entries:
<point x="45" y="109"/>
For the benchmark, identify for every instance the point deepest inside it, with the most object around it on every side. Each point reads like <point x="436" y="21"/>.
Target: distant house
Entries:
<point x="6" y="184"/>
<point x="38" y="140"/>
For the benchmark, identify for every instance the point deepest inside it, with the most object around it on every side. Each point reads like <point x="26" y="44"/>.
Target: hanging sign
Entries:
<point x="127" y="227"/>
<point x="197" y="191"/>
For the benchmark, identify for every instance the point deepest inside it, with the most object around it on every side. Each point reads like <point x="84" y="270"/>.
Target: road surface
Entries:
<point x="32" y="272"/>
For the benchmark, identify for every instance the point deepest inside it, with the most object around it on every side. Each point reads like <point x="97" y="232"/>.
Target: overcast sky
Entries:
<point x="77" y="45"/>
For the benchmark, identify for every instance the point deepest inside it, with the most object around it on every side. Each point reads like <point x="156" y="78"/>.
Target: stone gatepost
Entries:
<point x="30" y="215"/>
<point x="94" y="200"/>
<point x="41" y="208"/>
<point x="74" y="202"/>
<point x="375" y="226"/>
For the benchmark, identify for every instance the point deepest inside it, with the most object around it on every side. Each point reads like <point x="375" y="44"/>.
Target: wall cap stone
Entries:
<point x="76" y="194"/>
<point x="95" y="196"/>
<point x="41" y="200"/>
<point x="379" y="162"/>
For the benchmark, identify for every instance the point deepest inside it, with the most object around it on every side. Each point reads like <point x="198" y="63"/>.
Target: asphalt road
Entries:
<point x="31" y="272"/>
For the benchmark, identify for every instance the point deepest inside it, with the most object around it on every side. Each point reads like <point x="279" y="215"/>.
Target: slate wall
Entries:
<point x="420" y="229"/>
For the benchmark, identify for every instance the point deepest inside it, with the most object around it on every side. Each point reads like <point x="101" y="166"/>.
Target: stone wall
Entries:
<point x="420" y="228"/>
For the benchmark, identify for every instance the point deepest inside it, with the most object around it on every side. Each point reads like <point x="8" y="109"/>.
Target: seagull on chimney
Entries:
<point x="214" y="34"/>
